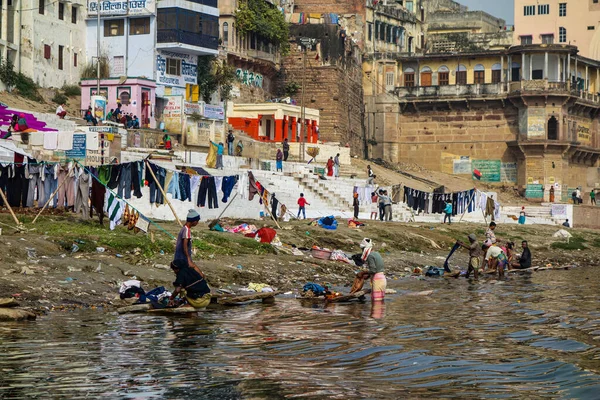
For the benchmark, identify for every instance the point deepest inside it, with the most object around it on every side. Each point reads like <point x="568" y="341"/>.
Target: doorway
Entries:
<point x="552" y="128"/>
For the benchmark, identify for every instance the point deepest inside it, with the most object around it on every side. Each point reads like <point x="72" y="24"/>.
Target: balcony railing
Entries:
<point x="485" y="89"/>
<point x="193" y="39"/>
<point x="538" y="85"/>
<point x="209" y="3"/>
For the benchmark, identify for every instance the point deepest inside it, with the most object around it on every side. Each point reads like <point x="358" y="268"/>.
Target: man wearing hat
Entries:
<point x="474" y="255"/>
<point x="183" y="248"/>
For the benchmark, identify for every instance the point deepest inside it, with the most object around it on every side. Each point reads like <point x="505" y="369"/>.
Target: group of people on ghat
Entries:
<point x="494" y="257"/>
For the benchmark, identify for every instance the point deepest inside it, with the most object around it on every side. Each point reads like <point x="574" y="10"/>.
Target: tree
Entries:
<point x="213" y="76"/>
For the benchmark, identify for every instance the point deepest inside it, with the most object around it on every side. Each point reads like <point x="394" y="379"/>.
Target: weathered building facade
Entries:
<point x="516" y="116"/>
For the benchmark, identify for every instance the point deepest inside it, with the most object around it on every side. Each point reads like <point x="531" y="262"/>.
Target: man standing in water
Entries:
<point x="474" y="255"/>
<point x="183" y="247"/>
<point x="374" y="271"/>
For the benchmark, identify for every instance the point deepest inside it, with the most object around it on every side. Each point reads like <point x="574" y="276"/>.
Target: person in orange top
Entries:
<point x="302" y="205"/>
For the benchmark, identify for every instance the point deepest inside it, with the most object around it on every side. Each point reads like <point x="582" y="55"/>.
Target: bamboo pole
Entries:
<point x="163" y="192"/>
<point x="10" y="208"/>
<point x="468" y="205"/>
<point x="272" y="217"/>
<point x="225" y="209"/>
<point x="49" y="200"/>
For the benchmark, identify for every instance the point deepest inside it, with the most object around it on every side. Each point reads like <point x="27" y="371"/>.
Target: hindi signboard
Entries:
<point x="120" y="7"/>
<point x="78" y="151"/>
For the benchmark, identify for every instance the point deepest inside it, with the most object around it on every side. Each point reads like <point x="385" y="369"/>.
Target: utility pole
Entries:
<point x="98" y="47"/>
<point x="302" y="107"/>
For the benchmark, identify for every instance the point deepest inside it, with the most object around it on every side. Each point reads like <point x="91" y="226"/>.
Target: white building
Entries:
<point x="44" y="39"/>
<point x="155" y="41"/>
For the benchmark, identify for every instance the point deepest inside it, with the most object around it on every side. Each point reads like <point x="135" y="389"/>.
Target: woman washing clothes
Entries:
<point x="374" y="271"/>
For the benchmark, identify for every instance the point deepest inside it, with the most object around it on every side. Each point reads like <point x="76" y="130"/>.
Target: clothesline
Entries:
<point x="123" y="200"/>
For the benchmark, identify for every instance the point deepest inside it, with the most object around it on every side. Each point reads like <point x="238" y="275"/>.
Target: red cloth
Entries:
<point x="330" y="167"/>
<point x="302" y="201"/>
<point x="266" y="234"/>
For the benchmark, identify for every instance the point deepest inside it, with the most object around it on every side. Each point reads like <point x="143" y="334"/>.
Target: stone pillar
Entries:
<point x="278" y="136"/>
<point x="587" y="79"/>
<point x="502" y="78"/>
<point x="522" y="77"/>
<point x="546" y="65"/>
<point x="530" y="77"/>
<point x="294" y="128"/>
<point x="576" y="74"/>
<point x="558" y="68"/>
<point x="509" y="69"/>
<point x="568" y="77"/>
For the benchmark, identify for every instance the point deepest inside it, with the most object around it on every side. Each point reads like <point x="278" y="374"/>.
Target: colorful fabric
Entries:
<point x="378" y="286"/>
<point x="114" y="209"/>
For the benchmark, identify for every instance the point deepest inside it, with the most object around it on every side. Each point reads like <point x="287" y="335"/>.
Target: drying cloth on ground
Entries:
<point x="317" y="289"/>
<point x="328" y="223"/>
<point x="266" y="235"/>
<point x="65" y="141"/>
<point x="50" y="140"/>
<point x="454" y="248"/>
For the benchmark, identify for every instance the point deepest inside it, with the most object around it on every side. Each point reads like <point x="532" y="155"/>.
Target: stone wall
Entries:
<point x="331" y="6"/>
<point x="586" y="217"/>
<point x="434" y="138"/>
<point x="333" y="87"/>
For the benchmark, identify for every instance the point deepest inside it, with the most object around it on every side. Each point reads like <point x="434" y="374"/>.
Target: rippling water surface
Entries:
<point x="531" y="336"/>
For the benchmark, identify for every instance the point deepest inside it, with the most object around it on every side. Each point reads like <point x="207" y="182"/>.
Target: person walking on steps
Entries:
<point x="355" y="204"/>
<point x="230" y="140"/>
<point x="448" y="213"/>
<point x="286" y="149"/>
<point x="336" y="165"/>
<point x="593" y="197"/>
<point x="302" y="206"/>
<point x="279" y="160"/>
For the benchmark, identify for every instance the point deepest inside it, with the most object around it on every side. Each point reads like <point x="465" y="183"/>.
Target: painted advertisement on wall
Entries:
<point x="174" y="69"/>
<point x="508" y="172"/>
<point x="120" y="7"/>
<point x="462" y="166"/>
<point x="486" y="170"/>
<point x="199" y="133"/>
<point x="172" y="113"/>
<point x="536" y="123"/>
<point x="584" y="134"/>
<point x="249" y="78"/>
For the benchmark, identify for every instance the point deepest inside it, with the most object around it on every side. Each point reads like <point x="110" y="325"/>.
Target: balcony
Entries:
<point x="459" y="91"/>
<point x="538" y="85"/>
<point x="193" y="43"/>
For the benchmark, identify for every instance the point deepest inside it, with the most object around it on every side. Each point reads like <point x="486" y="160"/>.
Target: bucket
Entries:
<point x="261" y="214"/>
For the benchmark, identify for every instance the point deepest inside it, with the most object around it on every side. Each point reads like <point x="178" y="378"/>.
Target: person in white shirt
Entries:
<point x="60" y="111"/>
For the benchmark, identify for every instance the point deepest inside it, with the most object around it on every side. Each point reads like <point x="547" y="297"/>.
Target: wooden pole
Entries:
<point x="272" y="217"/>
<point x="10" y="208"/>
<point x="225" y="209"/>
<point x="163" y="192"/>
<point x="48" y="201"/>
<point x="468" y="205"/>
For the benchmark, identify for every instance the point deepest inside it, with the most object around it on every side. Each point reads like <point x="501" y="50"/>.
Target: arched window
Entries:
<point x="562" y="35"/>
<point x="225" y="33"/>
<point x="496" y="73"/>
<point x="479" y="74"/>
<point x="443" y="76"/>
<point x="461" y="75"/>
<point x="425" y="76"/>
<point x="409" y="77"/>
<point x="552" y="128"/>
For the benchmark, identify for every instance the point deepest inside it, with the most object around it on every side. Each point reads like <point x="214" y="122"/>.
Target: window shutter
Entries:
<point x="47" y="51"/>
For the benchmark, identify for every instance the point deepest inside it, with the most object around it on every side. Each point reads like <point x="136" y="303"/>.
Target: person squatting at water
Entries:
<point x="475" y="254"/>
<point x="495" y="259"/>
<point x="374" y="272"/>
<point x="191" y="284"/>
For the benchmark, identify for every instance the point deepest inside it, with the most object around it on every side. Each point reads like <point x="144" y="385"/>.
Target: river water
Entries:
<point x="531" y="336"/>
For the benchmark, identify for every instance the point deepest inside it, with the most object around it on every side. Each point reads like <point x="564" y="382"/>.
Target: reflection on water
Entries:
<point x="528" y="337"/>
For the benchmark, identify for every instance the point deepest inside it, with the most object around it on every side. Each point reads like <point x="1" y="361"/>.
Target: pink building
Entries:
<point x="136" y="95"/>
<point x="560" y="22"/>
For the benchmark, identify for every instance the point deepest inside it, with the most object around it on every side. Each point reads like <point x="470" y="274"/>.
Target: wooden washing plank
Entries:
<point x="233" y="300"/>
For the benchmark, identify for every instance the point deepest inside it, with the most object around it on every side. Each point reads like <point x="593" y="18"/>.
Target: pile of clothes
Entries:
<point x="157" y="297"/>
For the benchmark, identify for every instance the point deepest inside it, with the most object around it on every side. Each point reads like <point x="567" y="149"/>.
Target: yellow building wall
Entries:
<point x="452" y="65"/>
